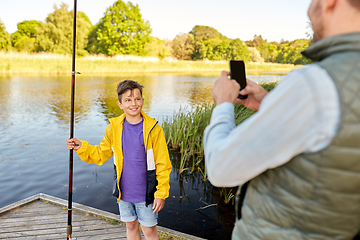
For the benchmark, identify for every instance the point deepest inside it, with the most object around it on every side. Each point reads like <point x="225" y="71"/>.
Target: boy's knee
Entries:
<point x="131" y="226"/>
<point x="149" y="231"/>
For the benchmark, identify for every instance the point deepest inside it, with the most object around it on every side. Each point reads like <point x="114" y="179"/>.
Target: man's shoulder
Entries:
<point x="309" y="75"/>
<point x="305" y="70"/>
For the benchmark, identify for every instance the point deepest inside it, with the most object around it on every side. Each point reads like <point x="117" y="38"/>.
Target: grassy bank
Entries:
<point x="49" y="63"/>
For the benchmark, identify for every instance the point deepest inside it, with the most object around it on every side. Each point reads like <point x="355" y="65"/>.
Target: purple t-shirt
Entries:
<point x="133" y="177"/>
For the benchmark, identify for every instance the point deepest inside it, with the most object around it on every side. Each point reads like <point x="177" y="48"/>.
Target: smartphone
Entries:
<point x="237" y="72"/>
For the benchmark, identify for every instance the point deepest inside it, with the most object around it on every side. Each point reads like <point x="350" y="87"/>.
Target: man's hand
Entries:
<point x="255" y="94"/>
<point x="73" y="143"/>
<point x="225" y="90"/>
<point x="158" y="204"/>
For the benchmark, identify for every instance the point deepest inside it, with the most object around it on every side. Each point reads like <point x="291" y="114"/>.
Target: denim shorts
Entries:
<point x="129" y="212"/>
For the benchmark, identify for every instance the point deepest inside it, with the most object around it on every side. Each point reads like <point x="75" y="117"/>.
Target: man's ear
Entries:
<point x="120" y="105"/>
<point x="330" y="5"/>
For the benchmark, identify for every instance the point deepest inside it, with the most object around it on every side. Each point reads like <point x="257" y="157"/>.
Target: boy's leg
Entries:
<point x="148" y="220"/>
<point x="128" y="215"/>
<point x="150" y="233"/>
<point x="132" y="230"/>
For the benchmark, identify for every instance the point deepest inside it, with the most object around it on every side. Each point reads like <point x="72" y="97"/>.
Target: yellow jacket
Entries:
<point x="157" y="156"/>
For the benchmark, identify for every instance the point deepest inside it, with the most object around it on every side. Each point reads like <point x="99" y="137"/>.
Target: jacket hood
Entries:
<point x="331" y="45"/>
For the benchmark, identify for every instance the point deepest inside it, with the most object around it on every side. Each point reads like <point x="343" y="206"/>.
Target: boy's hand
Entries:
<point x="255" y="94"/>
<point x="158" y="204"/>
<point x="73" y="144"/>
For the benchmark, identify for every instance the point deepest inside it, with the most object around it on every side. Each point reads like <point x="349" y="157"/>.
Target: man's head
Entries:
<point x="130" y="98"/>
<point x="334" y="17"/>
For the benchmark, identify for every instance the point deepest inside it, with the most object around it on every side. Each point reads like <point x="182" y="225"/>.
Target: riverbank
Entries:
<point x="50" y="63"/>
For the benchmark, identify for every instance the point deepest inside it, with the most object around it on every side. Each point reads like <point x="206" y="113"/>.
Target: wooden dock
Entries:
<point x="45" y="217"/>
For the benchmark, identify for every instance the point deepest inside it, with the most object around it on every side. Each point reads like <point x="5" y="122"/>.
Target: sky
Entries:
<point x="274" y="20"/>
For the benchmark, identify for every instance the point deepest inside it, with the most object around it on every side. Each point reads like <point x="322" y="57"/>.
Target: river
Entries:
<point x="35" y="116"/>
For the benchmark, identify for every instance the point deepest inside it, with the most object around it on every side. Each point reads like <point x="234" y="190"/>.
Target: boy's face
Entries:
<point x="131" y="103"/>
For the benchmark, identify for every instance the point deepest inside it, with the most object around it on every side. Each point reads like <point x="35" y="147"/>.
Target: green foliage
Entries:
<point x="158" y="48"/>
<point x="5" y="43"/>
<point x="183" y="46"/>
<point x="268" y="51"/>
<point x="284" y="52"/>
<point x="93" y="43"/>
<point x="205" y="42"/>
<point x="238" y="50"/>
<point x="290" y="52"/>
<point x="55" y="35"/>
<point x="24" y="39"/>
<point x="255" y="55"/>
<point x="121" y="31"/>
<point x="184" y="131"/>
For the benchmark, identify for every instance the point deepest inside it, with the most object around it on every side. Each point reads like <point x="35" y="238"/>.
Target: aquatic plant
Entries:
<point x="227" y="194"/>
<point x="184" y="131"/>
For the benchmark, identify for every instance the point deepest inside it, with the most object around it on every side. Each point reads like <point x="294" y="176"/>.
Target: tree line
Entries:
<point x="122" y="30"/>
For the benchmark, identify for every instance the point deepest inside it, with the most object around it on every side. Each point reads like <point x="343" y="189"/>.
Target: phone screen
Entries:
<point x="237" y="72"/>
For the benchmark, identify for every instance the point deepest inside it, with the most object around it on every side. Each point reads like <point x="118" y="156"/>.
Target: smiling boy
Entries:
<point x="141" y="162"/>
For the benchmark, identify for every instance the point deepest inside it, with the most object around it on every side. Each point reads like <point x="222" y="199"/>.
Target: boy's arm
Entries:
<point x="162" y="165"/>
<point x="97" y="154"/>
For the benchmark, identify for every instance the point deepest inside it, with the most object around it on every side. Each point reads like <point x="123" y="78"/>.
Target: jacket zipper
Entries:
<point x="147" y="142"/>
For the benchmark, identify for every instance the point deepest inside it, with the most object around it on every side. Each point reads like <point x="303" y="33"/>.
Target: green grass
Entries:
<point x="168" y="236"/>
<point x="49" y="63"/>
<point x="184" y="132"/>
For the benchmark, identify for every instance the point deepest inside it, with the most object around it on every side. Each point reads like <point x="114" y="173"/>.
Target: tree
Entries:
<point x="238" y="50"/>
<point x="183" y="46"/>
<point x="25" y="37"/>
<point x="55" y="35"/>
<point x="206" y="39"/>
<point x="268" y="51"/>
<point x="229" y="49"/>
<point x="93" y="43"/>
<point x="5" y="43"/>
<point x="255" y="55"/>
<point x="158" y="48"/>
<point x="290" y="52"/>
<point x="220" y="52"/>
<point x="121" y="31"/>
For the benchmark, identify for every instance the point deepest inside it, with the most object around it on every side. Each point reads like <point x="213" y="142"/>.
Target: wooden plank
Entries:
<point x="41" y="225"/>
<point x="55" y="229"/>
<point x="40" y="218"/>
<point x="80" y="235"/>
<point x="20" y="203"/>
<point x="45" y="217"/>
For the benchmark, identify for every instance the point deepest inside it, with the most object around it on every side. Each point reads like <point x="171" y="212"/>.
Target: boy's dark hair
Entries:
<point x="125" y="85"/>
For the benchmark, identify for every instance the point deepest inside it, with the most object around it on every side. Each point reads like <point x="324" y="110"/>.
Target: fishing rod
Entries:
<point x="71" y="156"/>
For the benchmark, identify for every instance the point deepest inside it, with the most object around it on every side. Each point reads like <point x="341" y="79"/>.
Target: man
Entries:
<point x="301" y="150"/>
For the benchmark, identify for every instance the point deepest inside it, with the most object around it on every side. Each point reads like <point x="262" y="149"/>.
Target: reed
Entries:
<point x="184" y="132"/>
<point x="51" y="63"/>
<point x="227" y="194"/>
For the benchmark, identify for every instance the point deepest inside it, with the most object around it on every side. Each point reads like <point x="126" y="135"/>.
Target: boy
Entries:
<point x="141" y="162"/>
